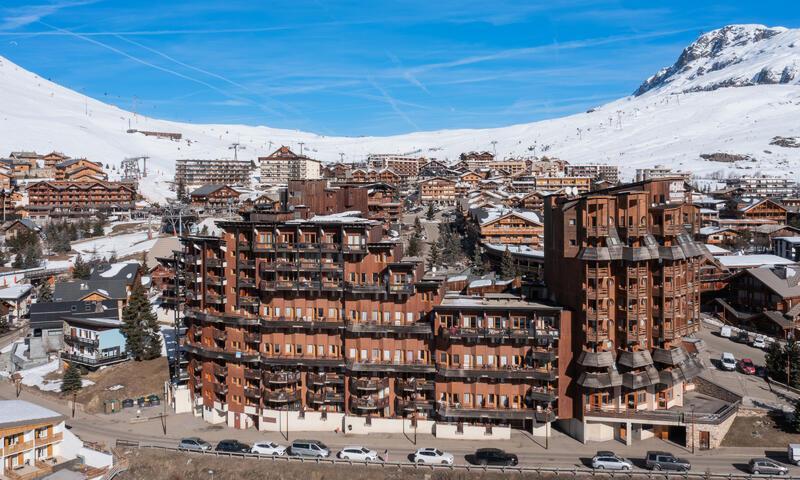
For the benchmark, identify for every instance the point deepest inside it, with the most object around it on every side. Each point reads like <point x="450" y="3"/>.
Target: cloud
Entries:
<point x="17" y="17"/>
<point x="393" y="103"/>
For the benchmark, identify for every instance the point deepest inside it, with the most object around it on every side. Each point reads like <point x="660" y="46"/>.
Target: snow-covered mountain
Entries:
<point x="676" y="116"/>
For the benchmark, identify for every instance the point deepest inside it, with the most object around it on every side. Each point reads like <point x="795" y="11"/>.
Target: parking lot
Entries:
<point x="753" y="388"/>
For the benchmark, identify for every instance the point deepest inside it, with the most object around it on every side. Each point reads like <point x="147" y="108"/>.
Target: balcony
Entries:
<point x="53" y="437"/>
<point x="244" y="246"/>
<point x="541" y="394"/>
<point x="214" y="262"/>
<point x="77" y="340"/>
<point x="248" y="301"/>
<point x="213" y="353"/>
<point x="252" y="337"/>
<point x="252" y="374"/>
<point x="379" y="366"/>
<point x="219" y="335"/>
<point x="596" y="335"/>
<point x="294" y="324"/>
<point x="596" y="315"/>
<point x="413" y="385"/>
<point x="492" y="372"/>
<point x="369" y="384"/>
<point x="459" y="412"/>
<point x="252" y="392"/>
<point x="94" y="361"/>
<point x="213" y="280"/>
<point x="329" y="247"/>
<point x="320" y="379"/>
<point x="281" y="396"/>
<point x="414" y="405"/>
<point x="324" y="397"/>
<point x="369" y="403"/>
<point x="281" y="378"/>
<point x="307" y="247"/>
<point x="354" y="248"/>
<point x="373" y="288"/>
<point x="597" y="231"/>
<point x="220" y="370"/>
<point x="213" y="299"/>
<point x="246" y="282"/>
<point x="376" y="327"/>
<point x="278" y="360"/>
<point x="494" y="334"/>
<point x="17" y="448"/>
<point x="219" y="388"/>
<point x="246" y="264"/>
<point x="401" y="289"/>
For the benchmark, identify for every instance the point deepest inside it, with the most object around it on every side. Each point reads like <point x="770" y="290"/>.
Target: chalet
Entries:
<point x="768" y="298"/>
<point x="509" y="227"/>
<point x="471" y="178"/>
<point x="18" y="300"/>
<point x="717" y="235"/>
<point x="341" y="171"/>
<point x="91" y="291"/>
<point x="214" y="197"/>
<point x="764" y="209"/>
<point x="31" y="158"/>
<point x="52" y="158"/>
<point x="764" y="235"/>
<point x="434" y="168"/>
<point x="383" y="203"/>
<point x="475" y="160"/>
<point x="126" y="272"/>
<point x="93" y="342"/>
<point x="5" y="179"/>
<point x="531" y="201"/>
<point x="13" y="228"/>
<point x="787" y="247"/>
<point x="387" y="176"/>
<point x="359" y="175"/>
<point x="80" y="169"/>
<point x="580" y="184"/>
<point x="46" y="198"/>
<point x="19" y="168"/>
<point x="438" y="190"/>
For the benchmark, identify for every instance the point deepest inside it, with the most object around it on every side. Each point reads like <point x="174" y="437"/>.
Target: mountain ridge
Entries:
<point x="662" y="125"/>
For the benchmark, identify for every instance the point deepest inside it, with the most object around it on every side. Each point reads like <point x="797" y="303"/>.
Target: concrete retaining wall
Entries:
<point x="472" y="432"/>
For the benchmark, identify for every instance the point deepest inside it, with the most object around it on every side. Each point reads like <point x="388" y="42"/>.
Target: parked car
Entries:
<point x="610" y="461"/>
<point x="728" y="361"/>
<point x="194" y="443"/>
<point x="127" y="403"/>
<point x="358" y="453"/>
<point x="493" y="456"/>
<point x="742" y="337"/>
<point x="232" y="446"/>
<point x="793" y="452"/>
<point x="154" y="400"/>
<point x="765" y="466"/>
<point x="747" y="366"/>
<point x="760" y="342"/>
<point x="432" y="456"/>
<point x="268" y="448"/>
<point x="666" y="461"/>
<point x="309" y="448"/>
<point x="725" y="331"/>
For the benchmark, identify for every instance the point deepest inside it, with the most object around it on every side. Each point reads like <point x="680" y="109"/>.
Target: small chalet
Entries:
<point x="214" y="197"/>
<point x="14" y="228"/>
<point x="764" y="209"/>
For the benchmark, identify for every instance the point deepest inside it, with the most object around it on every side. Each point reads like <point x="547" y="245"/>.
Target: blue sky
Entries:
<point x="361" y="67"/>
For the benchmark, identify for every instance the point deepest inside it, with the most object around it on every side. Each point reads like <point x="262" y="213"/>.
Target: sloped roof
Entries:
<point x="207" y="189"/>
<point x="78" y="289"/>
<point x="125" y="271"/>
<point x="785" y="282"/>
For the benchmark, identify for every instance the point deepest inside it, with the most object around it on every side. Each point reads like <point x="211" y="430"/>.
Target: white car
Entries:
<point x="433" y="456"/>
<point x="760" y="342"/>
<point x="610" y="461"/>
<point x="268" y="448"/>
<point x="358" y="453"/>
<point x="728" y="362"/>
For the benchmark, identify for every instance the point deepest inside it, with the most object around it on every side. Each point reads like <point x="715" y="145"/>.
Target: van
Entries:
<point x="793" y="452"/>
<point x="728" y="362"/>
<point x="309" y="448"/>
<point x="725" y="331"/>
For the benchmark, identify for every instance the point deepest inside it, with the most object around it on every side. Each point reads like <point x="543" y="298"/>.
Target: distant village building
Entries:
<point x="93" y="342"/>
<point x="658" y="172"/>
<point x="192" y="173"/>
<point x="74" y="197"/>
<point x="475" y="160"/>
<point x="580" y="184"/>
<point x="609" y="173"/>
<point x="437" y="190"/>
<point x="763" y="186"/>
<point x="77" y="169"/>
<point x="214" y="197"/>
<point x="402" y="165"/>
<point x="283" y="165"/>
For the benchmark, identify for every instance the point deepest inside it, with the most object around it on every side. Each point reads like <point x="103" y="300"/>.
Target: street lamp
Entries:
<point x="17" y="379"/>
<point x="691" y="407"/>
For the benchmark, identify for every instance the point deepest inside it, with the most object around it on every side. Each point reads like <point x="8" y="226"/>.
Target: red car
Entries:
<point x="747" y="366"/>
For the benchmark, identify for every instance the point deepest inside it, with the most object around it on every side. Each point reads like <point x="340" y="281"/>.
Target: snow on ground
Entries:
<point x="122" y="245"/>
<point x="659" y="127"/>
<point x="34" y="377"/>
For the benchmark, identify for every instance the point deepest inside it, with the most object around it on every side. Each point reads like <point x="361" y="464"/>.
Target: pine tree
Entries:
<point x="33" y="255"/>
<point x="140" y="326"/>
<point x="775" y="362"/>
<point x="4" y="325"/>
<point x="434" y="255"/>
<point x="45" y="293"/>
<point x="19" y="260"/>
<point x="477" y="262"/>
<point x="81" y="270"/>
<point x="417" y="227"/>
<point x="507" y="268"/>
<point x="796" y="417"/>
<point x="431" y="212"/>
<point x="414" y="246"/>
<point x="71" y="382"/>
<point x="97" y="230"/>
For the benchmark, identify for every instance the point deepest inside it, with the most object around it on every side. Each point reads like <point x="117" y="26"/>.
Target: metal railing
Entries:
<point x="539" y="471"/>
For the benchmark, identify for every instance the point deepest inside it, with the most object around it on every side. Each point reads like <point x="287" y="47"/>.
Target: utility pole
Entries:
<point x="494" y="147"/>
<point x="692" y="410"/>
<point x="301" y="147"/>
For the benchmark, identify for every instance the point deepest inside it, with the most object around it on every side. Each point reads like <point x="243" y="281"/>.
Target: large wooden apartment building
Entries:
<point x="74" y="197"/>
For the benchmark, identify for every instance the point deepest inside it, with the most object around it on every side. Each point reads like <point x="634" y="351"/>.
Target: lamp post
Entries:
<point x="74" y="399"/>
<point x="17" y="379"/>
<point x="691" y="406"/>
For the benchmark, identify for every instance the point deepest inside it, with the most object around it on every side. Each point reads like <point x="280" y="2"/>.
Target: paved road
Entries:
<point x="755" y="389"/>
<point x="563" y="452"/>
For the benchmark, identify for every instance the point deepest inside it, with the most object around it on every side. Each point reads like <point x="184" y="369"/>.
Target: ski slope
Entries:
<point x="678" y="117"/>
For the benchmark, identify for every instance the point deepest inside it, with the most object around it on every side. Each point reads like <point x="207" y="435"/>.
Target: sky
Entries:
<point x="361" y="67"/>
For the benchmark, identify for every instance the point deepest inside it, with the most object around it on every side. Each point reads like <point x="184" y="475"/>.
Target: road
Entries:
<point x="563" y="451"/>
<point x="755" y="389"/>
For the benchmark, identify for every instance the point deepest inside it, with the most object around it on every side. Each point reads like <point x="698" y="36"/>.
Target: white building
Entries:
<point x="283" y="165"/>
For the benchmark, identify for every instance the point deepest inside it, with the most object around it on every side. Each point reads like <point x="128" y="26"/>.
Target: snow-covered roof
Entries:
<point x="523" y="250"/>
<point x="788" y="239"/>
<point x="717" y="250"/>
<point x="352" y="216"/>
<point x="15" y="292"/>
<point x="16" y="412"/>
<point x="744" y="261"/>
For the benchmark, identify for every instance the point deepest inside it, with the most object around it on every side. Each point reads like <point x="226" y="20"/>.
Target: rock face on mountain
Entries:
<point x="732" y="56"/>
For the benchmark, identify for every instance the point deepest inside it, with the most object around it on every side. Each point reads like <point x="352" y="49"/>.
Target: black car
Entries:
<point x="232" y="446"/>
<point x="493" y="456"/>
